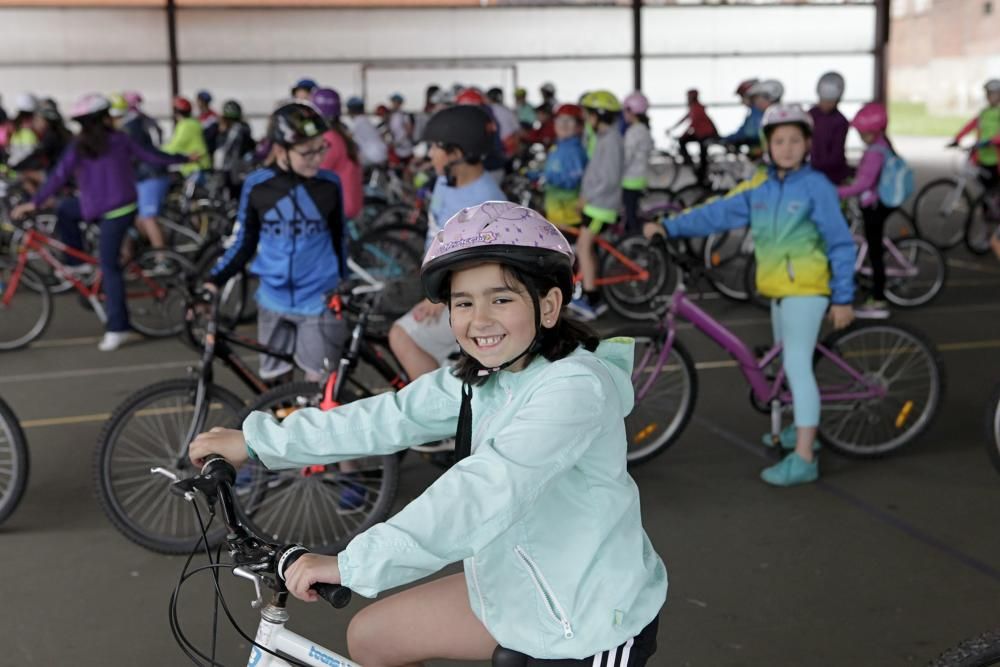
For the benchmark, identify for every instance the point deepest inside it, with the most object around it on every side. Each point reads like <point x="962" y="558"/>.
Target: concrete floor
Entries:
<point x="881" y="563"/>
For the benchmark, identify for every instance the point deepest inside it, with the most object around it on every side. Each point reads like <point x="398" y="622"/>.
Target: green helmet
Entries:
<point x="601" y="100"/>
<point x="119" y="107"/>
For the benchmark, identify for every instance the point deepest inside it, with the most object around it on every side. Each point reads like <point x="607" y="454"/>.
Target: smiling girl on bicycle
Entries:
<point x="805" y="262"/>
<point x="539" y="506"/>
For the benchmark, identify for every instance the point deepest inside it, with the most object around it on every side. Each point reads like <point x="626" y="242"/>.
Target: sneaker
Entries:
<point x="872" y="309"/>
<point x="113" y="340"/>
<point x="787" y="439"/>
<point x="79" y="271"/>
<point x="792" y="470"/>
<point x="353" y="497"/>
<point x="585" y="311"/>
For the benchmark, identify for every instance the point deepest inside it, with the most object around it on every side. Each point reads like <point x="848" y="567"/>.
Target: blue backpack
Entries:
<point x="895" y="182"/>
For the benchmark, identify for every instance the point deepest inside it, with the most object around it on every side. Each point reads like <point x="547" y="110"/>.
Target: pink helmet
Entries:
<point x="503" y="232"/>
<point x="636" y="103"/>
<point x="133" y="99"/>
<point x="89" y="105"/>
<point x="872" y="117"/>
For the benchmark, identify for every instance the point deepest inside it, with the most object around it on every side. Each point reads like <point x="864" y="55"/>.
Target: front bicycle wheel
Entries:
<point x="981" y="651"/>
<point x="149" y="430"/>
<point x="880" y="390"/>
<point x="940" y="211"/>
<point x="638" y="299"/>
<point x="25" y="305"/>
<point x="321" y="507"/>
<point x="726" y="255"/>
<point x="665" y="394"/>
<point x="394" y="263"/>
<point x="13" y="461"/>
<point x="157" y="292"/>
<point x="993" y="428"/>
<point x="915" y="272"/>
<point x="982" y="224"/>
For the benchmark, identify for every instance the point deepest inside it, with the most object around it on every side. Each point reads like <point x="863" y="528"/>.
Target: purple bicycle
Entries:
<point x="880" y="384"/>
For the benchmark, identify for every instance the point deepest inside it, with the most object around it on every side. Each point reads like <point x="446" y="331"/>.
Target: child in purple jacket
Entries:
<point x="830" y="133"/>
<point x="101" y="160"/>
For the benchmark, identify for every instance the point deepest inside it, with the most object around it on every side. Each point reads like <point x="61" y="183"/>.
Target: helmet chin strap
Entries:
<point x="463" y="434"/>
<point x="449" y="176"/>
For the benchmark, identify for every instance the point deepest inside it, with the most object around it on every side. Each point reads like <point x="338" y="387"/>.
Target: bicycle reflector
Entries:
<point x="645" y="433"/>
<point x="904" y="414"/>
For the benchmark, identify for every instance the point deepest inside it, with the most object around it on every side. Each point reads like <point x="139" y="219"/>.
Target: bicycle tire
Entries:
<point x="932" y="272"/>
<point x="692" y="195"/>
<point x="234" y="295"/>
<point x="166" y="524"/>
<point x="17" y="329"/>
<point x="664" y="170"/>
<point x="674" y="398"/>
<point x="156" y="286"/>
<point x="302" y="506"/>
<point x="44" y="223"/>
<point x="14" y="462"/>
<point x="927" y="213"/>
<point x="980" y="226"/>
<point x="750" y="282"/>
<point x="725" y="260"/>
<point x="637" y="299"/>
<point x="411" y="235"/>
<point x="394" y="263"/>
<point x="906" y="410"/>
<point x="981" y="651"/>
<point x="993" y="428"/>
<point x="399" y="214"/>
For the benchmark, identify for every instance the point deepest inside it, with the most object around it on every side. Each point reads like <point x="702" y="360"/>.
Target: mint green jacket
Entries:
<point x="543" y="513"/>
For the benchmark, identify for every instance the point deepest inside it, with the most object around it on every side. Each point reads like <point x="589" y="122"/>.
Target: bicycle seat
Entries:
<point x="505" y="657"/>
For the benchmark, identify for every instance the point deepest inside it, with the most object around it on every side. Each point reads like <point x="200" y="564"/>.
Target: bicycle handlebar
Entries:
<point x="215" y="482"/>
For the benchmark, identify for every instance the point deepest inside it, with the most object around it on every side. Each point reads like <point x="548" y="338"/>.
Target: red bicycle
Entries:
<point x="155" y="287"/>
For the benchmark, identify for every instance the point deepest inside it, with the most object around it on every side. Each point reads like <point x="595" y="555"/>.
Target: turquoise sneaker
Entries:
<point x="792" y="470"/>
<point x="787" y="438"/>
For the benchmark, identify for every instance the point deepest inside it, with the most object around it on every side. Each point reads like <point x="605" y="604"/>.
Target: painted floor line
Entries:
<point x="89" y="372"/>
<point x="874" y="512"/>
<point x="972" y="266"/>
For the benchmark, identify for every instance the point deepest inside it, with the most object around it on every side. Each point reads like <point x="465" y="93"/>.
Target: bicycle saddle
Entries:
<point x="505" y="657"/>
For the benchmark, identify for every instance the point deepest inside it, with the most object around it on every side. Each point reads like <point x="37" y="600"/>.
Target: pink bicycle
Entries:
<point x="880" y="384"/>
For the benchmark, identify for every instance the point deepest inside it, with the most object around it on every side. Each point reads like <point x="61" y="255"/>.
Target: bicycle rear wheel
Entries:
<point x="394" y="263"/>
<point x="638" y="299"/>
<point x="14" y="462"/>
<point x="931" y="273"/>
<point x="156" y="289"/>
<point x="25" y="307"/>
<point x="148" y="430"/>
<point x="726" y="255"/>
<point x="905" y="368"/>
<point x="982" y="224"/>
<point x="940" y="211"/>
<point x="993" y="428"/>
<point x="665" y="398"/>
<point x="321" y="507"/>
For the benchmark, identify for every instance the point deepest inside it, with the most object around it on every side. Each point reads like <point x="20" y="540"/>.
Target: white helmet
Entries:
<point x="548" y="88"/>
<point x="26" y="103"/>
<point x="992" y="86"/>
<point x="768" y="88"/>
<point x="830" y="87"/>
<point x="786" y="114"/>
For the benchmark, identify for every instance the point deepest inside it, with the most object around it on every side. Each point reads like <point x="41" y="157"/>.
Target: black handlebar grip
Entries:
<point x="338" y="596"/>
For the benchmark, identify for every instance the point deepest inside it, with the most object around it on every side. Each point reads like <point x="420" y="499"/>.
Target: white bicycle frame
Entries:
<point x="273" y="635"/>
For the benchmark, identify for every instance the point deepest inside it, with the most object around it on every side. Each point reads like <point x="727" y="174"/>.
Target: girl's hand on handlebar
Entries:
<point x="22" y="210"/>
<point x="228" y="443"/>
<point x="308" y="570"/>
<point x="841" y="315"/>
<point x="651" y="229"/>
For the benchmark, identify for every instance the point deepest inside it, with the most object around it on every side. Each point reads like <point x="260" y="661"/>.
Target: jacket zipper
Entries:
<point x="479" y="592"/>
<point x="551" y="603"/>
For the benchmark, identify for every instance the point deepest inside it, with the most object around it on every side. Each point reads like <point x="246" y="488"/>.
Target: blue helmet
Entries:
<point x="355" y="103"/>
<point x="205" y="96"/>
<point x="305" y="84"/>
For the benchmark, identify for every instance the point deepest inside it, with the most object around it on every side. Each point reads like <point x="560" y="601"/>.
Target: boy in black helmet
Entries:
<point x="459" y="139"/>
<point x="291" y="217"/>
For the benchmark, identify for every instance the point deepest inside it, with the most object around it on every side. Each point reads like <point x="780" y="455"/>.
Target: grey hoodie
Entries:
<point x="602" y="181"/>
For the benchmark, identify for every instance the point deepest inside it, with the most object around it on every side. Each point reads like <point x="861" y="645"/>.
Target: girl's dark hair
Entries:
<point x="451" y="148"/>
<point x="642" y="118"/>
<point x="93" y="138"/>
<point x="555" y="343"/>
<point x="345" y="134"/>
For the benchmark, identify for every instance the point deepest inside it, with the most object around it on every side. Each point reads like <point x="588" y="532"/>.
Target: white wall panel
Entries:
<point x="82" y="35"/>
<point x="65" y="84"/>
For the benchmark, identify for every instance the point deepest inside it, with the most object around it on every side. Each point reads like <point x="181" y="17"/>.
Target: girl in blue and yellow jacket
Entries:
<point x="805" y="262"/>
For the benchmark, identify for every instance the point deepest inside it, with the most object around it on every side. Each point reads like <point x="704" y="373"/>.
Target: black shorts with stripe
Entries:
<point x="633" y="653"/>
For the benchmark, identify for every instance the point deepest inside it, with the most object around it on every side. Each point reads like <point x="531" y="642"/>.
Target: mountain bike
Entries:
<point x="154" y="426"/>
<point x="14" y="463"/>
<point x="946" y="208"/>
<point x="880" y="384"/>
<point x="154" y="289"/>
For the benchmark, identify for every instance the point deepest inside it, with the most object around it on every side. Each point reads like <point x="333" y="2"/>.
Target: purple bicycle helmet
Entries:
<point x="327" y="100"/>
<point x="502" y="232"/>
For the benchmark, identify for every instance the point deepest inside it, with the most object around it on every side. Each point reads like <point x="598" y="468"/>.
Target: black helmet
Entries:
<point x="295" y="122"/>
<point x="468" y="127"/>
<point x="231" y="110"/>
<point x="495" y="95"/>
